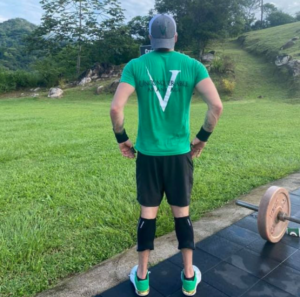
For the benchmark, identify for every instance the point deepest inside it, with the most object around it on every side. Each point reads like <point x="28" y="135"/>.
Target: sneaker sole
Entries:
<point x="198" y="275"/>
<point x="189" y="293"/>
<point x="146" y="293"/>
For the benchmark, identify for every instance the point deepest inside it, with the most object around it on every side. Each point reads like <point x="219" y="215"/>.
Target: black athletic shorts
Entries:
<point x="156" y="175"/>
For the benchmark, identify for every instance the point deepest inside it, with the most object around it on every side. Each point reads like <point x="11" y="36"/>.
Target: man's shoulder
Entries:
<point x="187" y="58"/>
<point x="153" y="56"/>
<point x="132" y="61"/>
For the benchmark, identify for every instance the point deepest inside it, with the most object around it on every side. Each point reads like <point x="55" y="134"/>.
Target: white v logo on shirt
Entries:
<point x="164" y="102"/>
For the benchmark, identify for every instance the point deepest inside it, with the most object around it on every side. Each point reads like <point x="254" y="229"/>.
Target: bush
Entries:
<point x="16" y="80"/>
<point x="62" y="83"/>
<point x="50" y="71"/>
<point x="278" y="18"/>
<point x="227" y="86"/>
<point x="222" y="65"/>
<point x="217" y="65"/>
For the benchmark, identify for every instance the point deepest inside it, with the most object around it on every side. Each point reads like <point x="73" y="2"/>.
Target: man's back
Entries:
<point x="164" y="82"/>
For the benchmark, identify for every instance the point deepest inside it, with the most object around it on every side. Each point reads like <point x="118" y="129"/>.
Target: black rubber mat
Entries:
<point x="234" y="262"/>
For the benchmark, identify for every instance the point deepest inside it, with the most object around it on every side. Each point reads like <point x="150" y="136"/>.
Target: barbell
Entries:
<point x="274" y="213"/>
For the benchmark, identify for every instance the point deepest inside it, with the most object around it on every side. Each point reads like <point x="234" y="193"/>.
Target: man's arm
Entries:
<point x="121" y="97"/>
<point x="215" y="107"/>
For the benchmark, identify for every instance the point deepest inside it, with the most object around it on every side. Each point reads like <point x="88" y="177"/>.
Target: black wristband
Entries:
<point x="121" y="137"/>
<point x="203" y="135"/>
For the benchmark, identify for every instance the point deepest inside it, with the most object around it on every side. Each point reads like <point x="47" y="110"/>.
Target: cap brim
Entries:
<point x="163" y="43"/>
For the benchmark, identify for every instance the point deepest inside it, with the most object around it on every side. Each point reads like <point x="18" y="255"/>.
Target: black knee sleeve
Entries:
<point x="145" y="234"/>
<point x="185" y="233"/>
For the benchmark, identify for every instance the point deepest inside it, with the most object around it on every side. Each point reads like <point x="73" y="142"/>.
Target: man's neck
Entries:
<point x="164" y="50"/>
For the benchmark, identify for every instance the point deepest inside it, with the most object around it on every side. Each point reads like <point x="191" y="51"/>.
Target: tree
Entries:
<point x="75" y="22"/>
<point x="259" y="25"/>
<point x="297" y="16"/>
<point x="116" y="47"/>
<point x="269" y="8"/>
<point x="250" y="7"/>
<point x="278" y="18"/>
<point x="262" y="11"/>
<point x="200" y="21"/>
<point x="266" y="10"/>
<point x="139" y="28"/>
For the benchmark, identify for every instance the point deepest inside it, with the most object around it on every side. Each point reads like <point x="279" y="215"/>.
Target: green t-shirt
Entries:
<point x="164" y="82"/>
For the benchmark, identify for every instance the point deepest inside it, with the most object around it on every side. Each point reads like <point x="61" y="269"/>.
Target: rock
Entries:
<point x="100" y="90"/>
<point x="55" y="93"/>
<point x="241" y="39"/>
<point x="37" y="89"/>
<point x="282" y="60"/>
<point x="35" y="95"/>
<point x="295" y="38"/>
<point x="72" y="84"/>
<point x="113" y="86"/>
<point x="89" y="73"/>
<point x="85" y="81"/>
<point x="103" y="70"/>
<point x="207" y="57"/>
<point x="260" y="97"/>
<point x="289" y="44"/>
<point x="294" y="67"/>
<point x="103" y="76"/>
<point x="291" y="64"/>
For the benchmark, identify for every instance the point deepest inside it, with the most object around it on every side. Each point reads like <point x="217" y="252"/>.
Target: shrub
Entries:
<point x="25" y="79"/>
<point x="222" y="65"/>
<point x="227" y="86"/>
<point x="217" y="65"/>
<point x="50" y="71"/>
<point x="62" y="83"/>
<point x="16" y="80"/>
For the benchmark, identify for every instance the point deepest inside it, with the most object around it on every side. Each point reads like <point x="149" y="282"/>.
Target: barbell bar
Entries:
<point x="281" y="216"/>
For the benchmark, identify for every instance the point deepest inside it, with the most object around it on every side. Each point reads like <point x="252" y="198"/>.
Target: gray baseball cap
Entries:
<point x="162" y="29"/>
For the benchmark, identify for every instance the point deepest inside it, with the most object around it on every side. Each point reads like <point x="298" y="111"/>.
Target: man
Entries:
<point x="164" y="81"/>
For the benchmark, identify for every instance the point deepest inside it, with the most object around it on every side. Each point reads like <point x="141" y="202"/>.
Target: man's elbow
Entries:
<point x="115" y="110"/>
<point x="218" y="108"/>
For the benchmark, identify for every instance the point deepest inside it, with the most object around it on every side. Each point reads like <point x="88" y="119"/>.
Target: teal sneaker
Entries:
<point x="141" y="287"/>
<point x="189" y="288"/>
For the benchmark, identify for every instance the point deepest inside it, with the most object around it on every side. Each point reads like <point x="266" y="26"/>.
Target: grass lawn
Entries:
<point x="68" y="198"/>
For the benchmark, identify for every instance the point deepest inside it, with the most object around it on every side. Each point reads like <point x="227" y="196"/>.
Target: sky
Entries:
<point x="31" y="10"/>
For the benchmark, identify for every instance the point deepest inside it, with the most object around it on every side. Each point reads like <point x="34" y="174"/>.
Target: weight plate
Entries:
<point x="275" y="200"/>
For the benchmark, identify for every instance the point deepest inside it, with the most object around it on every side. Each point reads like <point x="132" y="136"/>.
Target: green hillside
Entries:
<point x="13" y="53"/>
<point x="253" y="75"/>
<point x="269" y="41"/>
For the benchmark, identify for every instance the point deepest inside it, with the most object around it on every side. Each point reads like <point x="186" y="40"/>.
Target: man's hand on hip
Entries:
<point x="127" y="149"/>
<point x="196" y="147"/>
